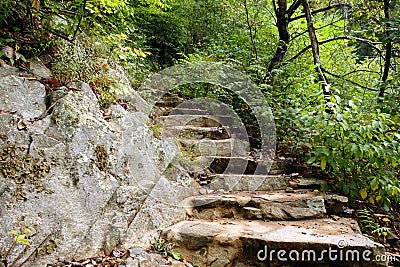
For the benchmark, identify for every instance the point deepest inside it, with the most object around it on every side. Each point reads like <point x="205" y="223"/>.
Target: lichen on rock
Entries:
<point x="101" y="157"/>
<point x="75" y="176"/>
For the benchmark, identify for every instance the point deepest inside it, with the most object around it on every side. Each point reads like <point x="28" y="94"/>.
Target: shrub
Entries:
<point x="358" y="146"/>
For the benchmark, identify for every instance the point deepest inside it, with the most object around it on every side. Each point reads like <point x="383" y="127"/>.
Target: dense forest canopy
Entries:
<point x="328" y="68"/>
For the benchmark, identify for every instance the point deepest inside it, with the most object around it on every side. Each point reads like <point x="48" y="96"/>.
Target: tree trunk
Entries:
<point x="284" y="36"/>
<point x="315" y="48"/>
<point x="388" y="49"/>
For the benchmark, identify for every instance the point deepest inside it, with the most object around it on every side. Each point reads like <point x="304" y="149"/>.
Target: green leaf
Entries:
<point x="363" y="193"/>
<point x="23" y="59"/>
<point x="27" y="231"/>
<point x="323" y="163"/>
<point x="354" y="148"/>
<point x="176" y="255"/>
<point x="311" y="160"/>
<point x="337" y="98"/>
<point x="22" y="240"/>
<point x="394" y="163"/>
<point x="14" y="232"/>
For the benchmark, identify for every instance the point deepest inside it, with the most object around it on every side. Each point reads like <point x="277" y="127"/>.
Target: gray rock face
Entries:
<point x="83" y="185"/>
<point x="38" y="68"/>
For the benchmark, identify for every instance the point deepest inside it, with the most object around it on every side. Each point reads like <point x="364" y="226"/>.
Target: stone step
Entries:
<point x="193" y="120"/>
<point x="234" y="165"/>
<point x="169" y="102"/>
<point x="249" y="182"/>
<point x="193" y="132"/>
<point x="324" y="242"/>
<point x="268" y="206"/>
<point x="173" y="111"/>
<point x="220" y="148"/>
<point x="308" y="183"/>
<point x="190" y="111"/>
<point x="199" y="120"/>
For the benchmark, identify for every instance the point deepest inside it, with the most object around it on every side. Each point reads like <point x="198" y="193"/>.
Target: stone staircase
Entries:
<point x="250" y="214"/>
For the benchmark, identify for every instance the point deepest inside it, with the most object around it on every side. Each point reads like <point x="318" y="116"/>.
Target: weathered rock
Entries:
<point x="299" y="205"/>
<point x="217" y="133"/>
<point x="256" y="243"/>
<point x="240" y="165"/>
<point x="220" y="148"/>
<point x="132" y="98"/>
<point x="308" y="183"/>
<point x="37" y="67"/>
<point x="82" y="184"/>
<point x="17" y="94"/>
<point x="195" y="120"/>
<point x="249" y="182"/>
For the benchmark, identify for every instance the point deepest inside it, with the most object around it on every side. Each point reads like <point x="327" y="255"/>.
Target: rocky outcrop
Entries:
<point x="319" y="242"/>
<point x="272" y="229"/>
<point x="83" y="185"/>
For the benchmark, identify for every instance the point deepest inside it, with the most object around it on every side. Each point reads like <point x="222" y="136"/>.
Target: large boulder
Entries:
<point x="82" y="184"/>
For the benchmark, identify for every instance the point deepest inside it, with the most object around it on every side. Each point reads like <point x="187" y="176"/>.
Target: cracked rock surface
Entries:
<point x="83" y="185"/>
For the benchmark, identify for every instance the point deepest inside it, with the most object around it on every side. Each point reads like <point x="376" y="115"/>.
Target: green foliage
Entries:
<point x="22" y="237"/>
<point x="91" y="62"/>
<point x="165" y="248"/>
<point x="357" y="145"/>
<point x="374" y="226"/>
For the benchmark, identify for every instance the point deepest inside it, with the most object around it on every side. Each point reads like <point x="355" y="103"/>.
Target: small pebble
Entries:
<point x="203" y="191"/>
<point x="289" y="190"/>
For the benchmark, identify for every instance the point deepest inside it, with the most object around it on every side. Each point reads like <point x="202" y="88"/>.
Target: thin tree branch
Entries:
<point x="319" y="28"/>
<point x="349" y="81"/>
<point x="362" y="70"/>
<point x="58" y="34"/>
<point x="345" y="37"/>
<point x="270" y="12"/>
<point x="284" y="36"/>
<point x="250" y="30"/>
<point x="295" y="5"/>
<point x="80" y="20"/>
<point x="320" y="10"/>
<point x="275" y="8"/>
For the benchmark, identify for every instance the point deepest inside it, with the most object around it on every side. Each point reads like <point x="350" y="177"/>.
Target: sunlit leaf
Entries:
<point x="323" y="163"/>
<point x="363" y="193"/>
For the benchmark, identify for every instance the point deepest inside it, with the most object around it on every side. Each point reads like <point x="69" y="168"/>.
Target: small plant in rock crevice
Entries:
<point x="165" y="248"/>
<point x="88" y="62"/>
<point x="21" y="237"/>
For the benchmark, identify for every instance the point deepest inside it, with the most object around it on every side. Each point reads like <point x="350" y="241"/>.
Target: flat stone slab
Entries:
<point x="317" y="242"/>
<point x="193" y="120"/>
<point x="219" y="148"/>
<point x="305" y="182"/>
<point x="189" y="111"/>
<point x="233" y="165"/>
<point x="249" y="182"/>
<point x="193" y="132"/>
<point x="278" y="205"/>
